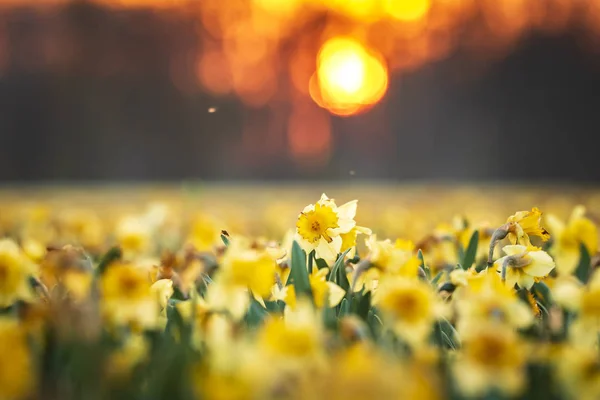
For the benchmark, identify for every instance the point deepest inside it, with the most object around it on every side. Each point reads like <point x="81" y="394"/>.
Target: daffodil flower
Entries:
<point x="394" y="258"/>
<point x="492" y="358"/>
<point x="127" y="297"/>
<point x="568" y="238"/>
<point x="17" y="378"/>
<point x="483" y="297"/>
<point x="519" y="227"/>
<point x="523" y="264"/>
<point x="247" y="267"/>
<point x="524" y="224"/>
<point x="410" y="306"/>
<point x="15" y="270"/>
<point x="320" y="227"/>
<point x="325" y="293"/>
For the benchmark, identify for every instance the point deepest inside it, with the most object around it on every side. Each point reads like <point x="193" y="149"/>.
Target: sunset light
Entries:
<point x="349" y="77"/>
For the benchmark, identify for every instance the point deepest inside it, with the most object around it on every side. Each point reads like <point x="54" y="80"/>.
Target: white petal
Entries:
<point x="348" y="210"/>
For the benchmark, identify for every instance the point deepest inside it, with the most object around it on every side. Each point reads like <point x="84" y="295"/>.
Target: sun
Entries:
<point x="349" y="77"/>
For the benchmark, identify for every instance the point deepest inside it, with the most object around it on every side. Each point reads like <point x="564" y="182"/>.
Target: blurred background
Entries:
<point x="407" y="90"/>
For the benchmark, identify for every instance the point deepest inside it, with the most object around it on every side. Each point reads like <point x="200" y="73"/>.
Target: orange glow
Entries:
<point x="339" y="53"/>
<point x="407" y="10"/>
<point x="349" y="77"/>
<point x="363" y="10"/>
<point x="309" y="134"/>
<point x="214" y="73"/>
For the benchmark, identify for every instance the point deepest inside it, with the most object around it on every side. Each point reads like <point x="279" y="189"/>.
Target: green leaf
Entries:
<point x="445" y="335"/>
<point x="584" y="269"/>
<point x="423" y="266"/>
<point x="256" y="313"/>
<point x="321" y="263"/>
<point x="225" y="240"/>
<point x="175" y="322"/>
<point x="437" y="278"/>
<point x="344" y="308"/>
<point x="329" y="318"/>
<point x="542" y="293"/>
<point x="299" y="272"/>
<point x="471" y="253"/>
<point x="112" y="255"/>
<point x="342" y="279"/>
<point x="339" y="263"/>
<point x="363" y="305"/>
<point x="375" y="324"/>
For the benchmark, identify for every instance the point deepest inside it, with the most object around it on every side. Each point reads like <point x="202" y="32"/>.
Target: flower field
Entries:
<point x="283" y="292"/>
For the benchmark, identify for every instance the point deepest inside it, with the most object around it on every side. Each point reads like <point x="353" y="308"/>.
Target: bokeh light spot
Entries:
<point x="407" y="10"/>
<point x="349" y="78"/>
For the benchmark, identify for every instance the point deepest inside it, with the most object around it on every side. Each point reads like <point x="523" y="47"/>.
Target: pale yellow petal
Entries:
<point x="513" y="249"/>
<point x="329" y="251"/>
<point x="555" y="225"/>
<point x="526" y="281"/>
<point x="348" y="210"/>
<point x="335" y="295"/>
<point x="541" y="264"/>
<point x="566" y="260"/>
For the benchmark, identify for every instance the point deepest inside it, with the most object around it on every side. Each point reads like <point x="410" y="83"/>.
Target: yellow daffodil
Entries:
<point x="439" y="247"/>
<point x="127" y="297"/>
<point x="578" y="370"/>
<point x="162" y="290"/>
<point x="205" y="233"/>
<point x="133" y="235"/>
<point x="209" y="325"/>
<point x="492" y="357"/>
<point x="393" y="258"/>
<point x="484" y="298"/>
<point x="566" y="248"/>
<point x="586" y="301"/>
<point x="325" y="293"/>
<point x="320" y="226"/>
<point x="524" y="224"/>
<point x="82" y="226"/>
<point x="296" y="336"/>
<point x="567" y="291"/>
<point x="349" y="239"/>
<point x="247" y="267"/>
<point x="523" y="264"/>
<point x="410" y="306"/>
<point x="15" y="271"/>
<point x="17" y="371"/>
<point x="460" y="277"/>
<point x="293" y="340"/>
<point x="230" y="299"/>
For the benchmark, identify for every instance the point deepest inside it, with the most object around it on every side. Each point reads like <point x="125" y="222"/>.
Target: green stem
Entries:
<point x="311" y="257"/>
